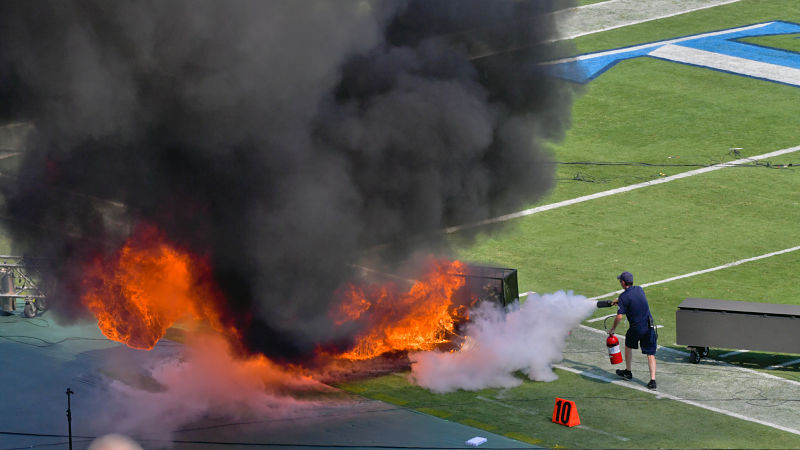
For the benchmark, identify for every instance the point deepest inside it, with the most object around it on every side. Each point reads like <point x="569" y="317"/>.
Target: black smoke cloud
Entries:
<point x="278" y="138"/>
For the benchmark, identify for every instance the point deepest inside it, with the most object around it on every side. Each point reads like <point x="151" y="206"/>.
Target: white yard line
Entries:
<point x="728" y="63"/>
<point x="656" y="44"/>
<point x="737" y="352"/>
<point x="676" y="398"/>
<point x="598" y="319"/>
<point x="786" y="364"/>
<point x="506" y="405"/>
<point x="584" y="427"/>
<point x="620" y="190"/>
<point x="700" y="272"/>
<point x="610" y="15"/>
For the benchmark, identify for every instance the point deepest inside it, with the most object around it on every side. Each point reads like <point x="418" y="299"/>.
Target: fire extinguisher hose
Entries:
<point x="605" y="322"/>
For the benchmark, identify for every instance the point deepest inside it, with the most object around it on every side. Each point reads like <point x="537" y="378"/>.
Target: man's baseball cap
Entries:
<point x="627" y="277"/>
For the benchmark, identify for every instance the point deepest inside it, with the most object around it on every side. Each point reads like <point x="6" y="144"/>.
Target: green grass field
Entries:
<point x="524" y="413"/>
<point x="656" y="119"/>
<point x="674" y="118"/>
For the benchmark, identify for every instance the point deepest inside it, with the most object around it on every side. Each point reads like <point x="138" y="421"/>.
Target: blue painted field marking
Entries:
<point x="718" y="50"/>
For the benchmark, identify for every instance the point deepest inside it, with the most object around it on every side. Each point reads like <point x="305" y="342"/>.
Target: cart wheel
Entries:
<point x="29" y="310"/>
<point x="704" y="353"/>
<point x="694" y="357"/>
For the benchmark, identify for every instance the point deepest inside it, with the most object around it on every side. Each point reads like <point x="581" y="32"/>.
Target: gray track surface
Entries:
<point x="739" y="392"/>
<point x="38" y="365"/>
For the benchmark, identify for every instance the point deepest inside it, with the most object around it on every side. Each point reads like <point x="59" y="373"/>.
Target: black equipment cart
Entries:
<point x="701" y="323"/>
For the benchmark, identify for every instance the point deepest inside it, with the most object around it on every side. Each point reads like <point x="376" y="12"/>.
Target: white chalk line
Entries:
<point x="733" y="353"/>
<point x="564" y="15"/>
<point x="506" y="405"/>
<point x="649" y="19"/>
<point x="701" y="272"/>
<point x="584" y="427"/>
<point x="620" y="190"/>
<point x="652" y="44"/>
<point x="786" y="364"/>
<point x="601" y="318"/>
<point x="676" y="398"/>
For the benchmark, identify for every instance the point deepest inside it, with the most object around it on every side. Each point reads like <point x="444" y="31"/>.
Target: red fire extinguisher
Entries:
<point x="613" y="349"/>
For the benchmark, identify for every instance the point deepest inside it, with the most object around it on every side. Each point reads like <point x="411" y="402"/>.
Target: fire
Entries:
<point x="145" y="287"/>
<point x="141" y="290"/>
<point x="419" y="319"/>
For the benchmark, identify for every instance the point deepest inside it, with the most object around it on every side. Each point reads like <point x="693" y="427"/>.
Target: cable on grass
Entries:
<point x="753" y="163"/>
<point x="52" y="444"/>
<point x="733" y="153"/>
<point x="584" y="178"/>
<point x="31" y="321"/>
<point x="45" y="342"/>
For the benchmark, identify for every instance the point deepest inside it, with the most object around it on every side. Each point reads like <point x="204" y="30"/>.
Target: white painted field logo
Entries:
<point x="719" y="50"/>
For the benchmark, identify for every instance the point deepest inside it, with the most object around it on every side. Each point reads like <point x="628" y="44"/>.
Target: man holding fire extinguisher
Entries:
<point x="633" y="304"/>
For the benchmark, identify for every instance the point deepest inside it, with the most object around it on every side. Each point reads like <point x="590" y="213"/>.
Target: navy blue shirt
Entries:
<point x="634" y="305"/>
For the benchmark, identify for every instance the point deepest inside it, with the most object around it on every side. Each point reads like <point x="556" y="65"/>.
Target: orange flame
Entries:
<point x="144" y="288"/>
<point x="419" y="319"/>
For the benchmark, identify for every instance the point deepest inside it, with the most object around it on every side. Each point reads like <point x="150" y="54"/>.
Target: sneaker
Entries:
<point x="625" y="374"/>
<point x="651" y="385"/>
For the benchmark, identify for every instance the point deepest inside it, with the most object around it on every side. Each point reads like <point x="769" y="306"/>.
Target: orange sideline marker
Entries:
<point x="566" y="413"/>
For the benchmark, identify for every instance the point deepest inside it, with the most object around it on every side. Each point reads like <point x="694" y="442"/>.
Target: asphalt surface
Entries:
<point x="41" y="359"/>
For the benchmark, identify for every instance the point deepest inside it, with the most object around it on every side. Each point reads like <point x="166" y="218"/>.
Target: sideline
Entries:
<point x="710" y="361"/>
<point x="620" y="190"/>
<point x="675" y="397"/>
<point x="679" y="393"/>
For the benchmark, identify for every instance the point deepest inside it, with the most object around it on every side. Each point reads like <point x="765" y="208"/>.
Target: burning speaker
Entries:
<point x="489" y="284"/>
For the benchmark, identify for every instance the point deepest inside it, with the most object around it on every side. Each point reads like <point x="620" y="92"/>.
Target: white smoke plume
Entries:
<point x="204" y="382"/>
<point x="114" y="442"/>
<point x="529" y="337"/>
